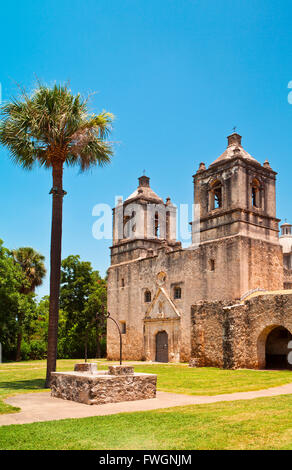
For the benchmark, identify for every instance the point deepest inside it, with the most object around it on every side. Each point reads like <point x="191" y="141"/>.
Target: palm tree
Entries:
<point x="53" y="127"/>
<point x="32" y="265"/>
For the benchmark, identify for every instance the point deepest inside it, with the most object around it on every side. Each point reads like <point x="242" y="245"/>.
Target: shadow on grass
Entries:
<point x="35" y="384"/>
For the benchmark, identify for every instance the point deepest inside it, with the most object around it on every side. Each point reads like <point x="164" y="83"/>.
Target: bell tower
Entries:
<point x="238" y="224"/>
<point x="142" y="224"/>
<point x="237" y="196"/>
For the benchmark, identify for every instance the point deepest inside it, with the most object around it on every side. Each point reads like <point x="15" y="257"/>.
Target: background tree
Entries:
<point x="82" y="301"/>
<point x="32" y="265"/>
<point x="35" y="339"/>
<point x="95" y="308"/>
<point x="13" y="303"/>
<point x="81" y="323"/>
<point x="53" y="127"/>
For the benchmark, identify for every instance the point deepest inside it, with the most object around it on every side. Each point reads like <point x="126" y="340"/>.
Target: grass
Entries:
<point x="24" y="377"/>
<point x="213" y="381"/>
<point x="263" y="423"/>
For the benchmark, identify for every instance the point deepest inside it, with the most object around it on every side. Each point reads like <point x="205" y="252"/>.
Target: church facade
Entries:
<point x="185" y="304"/>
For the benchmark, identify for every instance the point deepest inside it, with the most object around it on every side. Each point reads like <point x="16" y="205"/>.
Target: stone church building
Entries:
<point x="220" y="302"/>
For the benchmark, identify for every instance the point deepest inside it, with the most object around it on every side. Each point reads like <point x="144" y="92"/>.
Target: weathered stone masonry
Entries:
<point x="158" y="290"/>
<point x="234" y="336"/>
<point x="103" y="387"/>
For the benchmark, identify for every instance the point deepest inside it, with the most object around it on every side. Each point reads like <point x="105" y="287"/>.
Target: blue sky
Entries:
<point x="177" y="74"/>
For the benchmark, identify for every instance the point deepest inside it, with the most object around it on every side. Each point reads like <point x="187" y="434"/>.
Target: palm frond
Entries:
<point x="95" y="153"/>
<point x="52" y="124"/>
<point x="32" y="265"/>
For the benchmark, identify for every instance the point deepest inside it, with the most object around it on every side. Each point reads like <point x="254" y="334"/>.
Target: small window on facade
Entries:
<point x="255" y="193"/>
<point x="287" y="261"/>
<point x="216" y="195"/>
<point x="129" y="226"/>
<point x="134" y="225"/>
<point x="123" y="282"/>
<point x="167" y="224"/>
<point x="212" y="264"/>
<point x="123" y="327"/>
<point x="156" y="225"/>
<point x="126" y="226"/>
<point x="177" y="293"/>
<point x="147" y="296"/>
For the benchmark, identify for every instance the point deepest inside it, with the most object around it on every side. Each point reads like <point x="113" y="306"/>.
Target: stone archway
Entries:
<point x="277" y="348"/>
<point x="273" y="348"/>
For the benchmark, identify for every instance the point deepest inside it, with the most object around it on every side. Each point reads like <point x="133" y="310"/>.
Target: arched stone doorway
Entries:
<point x="276" y="348"/>
<point x="161" y="347"/>
<point x="272" y="347"/>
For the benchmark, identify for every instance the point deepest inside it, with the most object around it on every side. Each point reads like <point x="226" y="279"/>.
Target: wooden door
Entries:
<point x="161" y="347"/>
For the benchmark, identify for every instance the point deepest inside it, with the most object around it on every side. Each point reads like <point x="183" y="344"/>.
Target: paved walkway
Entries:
<point x="37" y="407"/>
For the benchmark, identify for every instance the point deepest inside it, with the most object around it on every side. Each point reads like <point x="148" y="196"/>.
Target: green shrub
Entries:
<point x="35" y="349"/>
<point x="38" y="349"/>
<point x="25" y="350"/>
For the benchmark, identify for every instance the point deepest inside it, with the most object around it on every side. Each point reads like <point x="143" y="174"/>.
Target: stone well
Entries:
<point x="94" y="387"/>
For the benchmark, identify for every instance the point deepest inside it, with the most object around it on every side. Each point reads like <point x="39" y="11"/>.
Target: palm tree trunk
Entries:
<point x="55" y="274"/>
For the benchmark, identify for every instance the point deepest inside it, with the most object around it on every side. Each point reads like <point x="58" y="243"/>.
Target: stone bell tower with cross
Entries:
<point x="237" y="198"/>
<point x="142" y="224"/>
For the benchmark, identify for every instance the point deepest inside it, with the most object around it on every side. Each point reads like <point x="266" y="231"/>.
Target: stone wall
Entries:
<point x="287" y="278"/>
<point x="241" y="264"/>
<point x="234" y="336"/>
<point x="239" y="251"/>
<point x="100" y="388"/>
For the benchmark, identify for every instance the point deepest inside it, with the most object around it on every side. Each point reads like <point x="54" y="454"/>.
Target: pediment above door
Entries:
<point x="162" y="306"/>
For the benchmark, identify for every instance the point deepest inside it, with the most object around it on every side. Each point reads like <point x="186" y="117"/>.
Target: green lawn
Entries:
<point x="25" y="377"/>
<point x="213" y="381"/>
<point x="179" y="378"/>
<point x="264" y="423"/>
